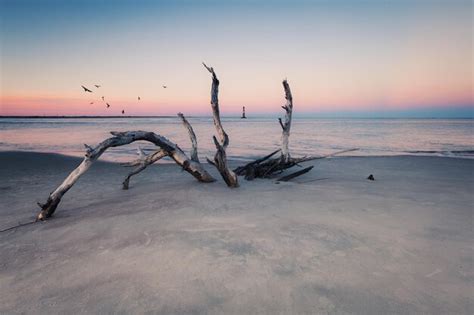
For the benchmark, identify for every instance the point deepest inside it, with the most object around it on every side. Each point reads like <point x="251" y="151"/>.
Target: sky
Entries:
<point x="341" y="58"/>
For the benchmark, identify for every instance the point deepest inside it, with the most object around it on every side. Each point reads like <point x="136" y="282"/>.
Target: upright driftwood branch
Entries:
<point x="220" y="158"/>
<point x="119" y="139"/>
<point x="192" y="137"/>
<point x="144" y="161"/>
<point x="268" y="167"/>
<point x="288" y="107"/>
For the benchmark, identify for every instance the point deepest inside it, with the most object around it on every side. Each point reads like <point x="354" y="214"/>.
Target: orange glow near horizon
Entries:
<point x="69" y="106"/>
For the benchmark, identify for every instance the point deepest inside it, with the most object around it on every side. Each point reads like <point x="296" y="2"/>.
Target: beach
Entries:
<point x="329" y="242"/>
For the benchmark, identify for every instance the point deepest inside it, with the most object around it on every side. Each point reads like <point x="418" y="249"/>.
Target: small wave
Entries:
<point x="447" y="153"/>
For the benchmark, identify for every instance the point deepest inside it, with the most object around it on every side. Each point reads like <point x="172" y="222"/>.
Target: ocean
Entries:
<point x="249" y="138"/>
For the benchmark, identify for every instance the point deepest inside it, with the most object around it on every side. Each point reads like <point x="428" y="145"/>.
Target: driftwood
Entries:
<point x="249" y="170"/>
<point x="267" y="167"/>
<point x="295" y="174"/>
<point x="192" y="137"/>
<point x="144" y="161"/>
<point x="119" y="139"/>
<point x="288" y="107"/>
<point x="141" y="163"/>
<point x="220" y="158"/>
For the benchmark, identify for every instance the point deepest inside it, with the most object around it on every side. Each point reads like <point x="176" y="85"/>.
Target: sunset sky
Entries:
<point x="340" y="57"/>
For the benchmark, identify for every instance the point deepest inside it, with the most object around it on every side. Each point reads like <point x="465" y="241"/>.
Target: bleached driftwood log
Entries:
<point x="192" y="137"/>
<point x="220" y="158"/>
<point x="288" y="107"/>
<point x="144" y="161"/>
<point x="119" y="139"/>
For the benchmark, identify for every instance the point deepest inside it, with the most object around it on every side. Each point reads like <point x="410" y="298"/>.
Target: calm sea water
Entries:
<point x="249" y="138"/>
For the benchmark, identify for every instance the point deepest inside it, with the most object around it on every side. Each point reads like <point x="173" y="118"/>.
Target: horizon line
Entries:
<point x="230" y="116"/>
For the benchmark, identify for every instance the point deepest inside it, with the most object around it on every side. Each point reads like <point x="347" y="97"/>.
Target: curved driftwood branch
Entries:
<point x="144" y="161"/>
<point x="220" y="159"/>
<point x="192" y="137"/>
<point x="140" y="160"/>
<point x="141" y="163"/>
<point x="119" y="139"/>
<point x="223" y="137"/>
<point x="288" y="107"/>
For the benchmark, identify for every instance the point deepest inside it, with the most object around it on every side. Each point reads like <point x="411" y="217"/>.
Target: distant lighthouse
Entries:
<point x="243" y="113"/>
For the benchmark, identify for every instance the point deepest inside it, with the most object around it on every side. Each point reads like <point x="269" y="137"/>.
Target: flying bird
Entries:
<point x="97" y="86"/>
<point x="86" y="89"/>
<point x="123" y="112"/>
<point x="164" y="86"/>
<point x="91" y="103"/>
<point x="103" y="98"/>
<point x="139" y="98"/>
<point x="108" y="105"/>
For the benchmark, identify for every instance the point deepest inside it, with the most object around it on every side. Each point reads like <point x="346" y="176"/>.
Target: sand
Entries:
<point x="170" y="245"/>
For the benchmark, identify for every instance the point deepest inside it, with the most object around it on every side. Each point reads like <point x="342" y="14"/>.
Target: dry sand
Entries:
<point x="170" y="245"/>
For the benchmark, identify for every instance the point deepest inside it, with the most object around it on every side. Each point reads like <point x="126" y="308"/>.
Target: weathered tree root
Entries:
<point x="252" y="170"/>
<point x="295" y="174"/>
<point x="119" y="139"/>
<point x="266" y="167"/>
<point x="220" y="158"/>
<point x="18" y="226"/>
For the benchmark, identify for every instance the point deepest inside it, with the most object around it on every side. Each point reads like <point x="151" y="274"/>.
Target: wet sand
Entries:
<point x="331" y="242"/>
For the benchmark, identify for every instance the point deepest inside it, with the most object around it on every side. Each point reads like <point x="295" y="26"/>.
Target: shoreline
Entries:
<point x="242" y="160"/>
<point x="328" y="242"/>
<point x="250" y="138"/>
<point x="237" y="116"/>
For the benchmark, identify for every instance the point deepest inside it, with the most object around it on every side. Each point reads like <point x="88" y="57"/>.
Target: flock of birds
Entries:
<point x="86" y="90"/>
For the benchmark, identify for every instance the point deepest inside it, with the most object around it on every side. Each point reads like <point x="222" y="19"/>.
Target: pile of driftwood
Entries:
<point x="266" y="167"/>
